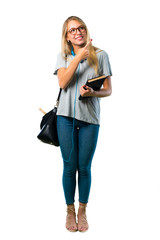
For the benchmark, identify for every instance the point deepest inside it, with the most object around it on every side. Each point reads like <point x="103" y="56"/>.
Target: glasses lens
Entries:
<point x="81" y="29"/>
<point x="72" y="30"/>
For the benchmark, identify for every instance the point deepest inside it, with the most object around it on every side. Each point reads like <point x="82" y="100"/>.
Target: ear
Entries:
<point x="67" y="38"/>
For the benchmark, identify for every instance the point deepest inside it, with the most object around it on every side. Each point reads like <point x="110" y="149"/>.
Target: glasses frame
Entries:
<point x="78" y="28"/>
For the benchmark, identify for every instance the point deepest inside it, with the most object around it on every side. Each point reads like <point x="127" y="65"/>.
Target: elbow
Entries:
<point x="61" y="84"/>
<point x="110" y="92"/>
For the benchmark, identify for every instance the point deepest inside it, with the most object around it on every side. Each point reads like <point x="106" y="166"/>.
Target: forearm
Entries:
<point x="101" y="93"/>
<point x="66" y="77"/>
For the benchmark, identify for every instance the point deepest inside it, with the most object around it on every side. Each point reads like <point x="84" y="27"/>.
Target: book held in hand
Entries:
<point x="94" y="83"/>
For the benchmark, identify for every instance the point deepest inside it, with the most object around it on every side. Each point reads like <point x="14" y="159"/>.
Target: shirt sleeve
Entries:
<point x="59" y="64"/>
<point x="106" y="66"/>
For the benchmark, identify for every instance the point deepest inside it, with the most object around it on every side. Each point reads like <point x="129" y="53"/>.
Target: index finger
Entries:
<point x="88" y="43"/>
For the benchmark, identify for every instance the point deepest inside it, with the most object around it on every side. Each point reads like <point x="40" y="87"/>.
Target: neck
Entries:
<point x="76" y="48"/>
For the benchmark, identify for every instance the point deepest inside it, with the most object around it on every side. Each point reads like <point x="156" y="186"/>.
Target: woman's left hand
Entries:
<point x="86" y="91"/>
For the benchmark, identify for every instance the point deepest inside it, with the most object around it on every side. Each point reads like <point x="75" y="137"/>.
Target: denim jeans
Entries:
<point x="77" y="149"/>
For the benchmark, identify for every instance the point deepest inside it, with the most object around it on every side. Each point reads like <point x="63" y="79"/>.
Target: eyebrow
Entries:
<point x="75" y="27"/>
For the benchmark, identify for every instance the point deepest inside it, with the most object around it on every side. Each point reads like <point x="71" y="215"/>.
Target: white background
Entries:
<point x="125" y="193"/>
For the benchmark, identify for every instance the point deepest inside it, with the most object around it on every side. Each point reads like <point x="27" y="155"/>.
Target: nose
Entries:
<point x="78" y="31"/>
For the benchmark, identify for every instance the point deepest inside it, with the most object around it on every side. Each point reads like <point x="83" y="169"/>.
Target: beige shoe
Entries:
<point x="82" y="220"/>
<point x="71" y="223"/>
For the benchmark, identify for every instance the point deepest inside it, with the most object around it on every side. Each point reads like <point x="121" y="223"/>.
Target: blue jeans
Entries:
<point x="77" y="155"/>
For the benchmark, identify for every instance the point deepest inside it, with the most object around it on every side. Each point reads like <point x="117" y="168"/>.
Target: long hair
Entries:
<point x="67" y="46"/>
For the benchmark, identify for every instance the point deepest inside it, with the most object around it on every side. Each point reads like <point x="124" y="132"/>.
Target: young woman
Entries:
<point x="78" y="121"/>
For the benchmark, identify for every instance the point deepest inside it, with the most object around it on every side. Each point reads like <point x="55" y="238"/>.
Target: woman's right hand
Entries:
<point x="83" y="53"/>
<point x="65" y="75"/>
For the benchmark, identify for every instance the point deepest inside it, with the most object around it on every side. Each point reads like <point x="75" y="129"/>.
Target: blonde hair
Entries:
<point x="67" y="46"/>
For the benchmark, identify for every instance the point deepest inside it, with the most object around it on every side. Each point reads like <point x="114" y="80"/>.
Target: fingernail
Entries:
<point x="91" y="39"/>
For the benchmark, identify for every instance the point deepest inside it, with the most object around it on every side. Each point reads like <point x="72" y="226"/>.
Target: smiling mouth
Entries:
<point x="80" y="37"/>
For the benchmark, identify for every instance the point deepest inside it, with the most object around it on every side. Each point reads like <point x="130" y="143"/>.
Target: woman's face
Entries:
<point x="76" y="36"/>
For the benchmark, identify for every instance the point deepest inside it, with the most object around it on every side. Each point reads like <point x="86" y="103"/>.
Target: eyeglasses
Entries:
<point x="81" y="29"/>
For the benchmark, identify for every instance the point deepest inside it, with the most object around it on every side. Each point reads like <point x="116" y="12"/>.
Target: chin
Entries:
<point x="80" y="43"/>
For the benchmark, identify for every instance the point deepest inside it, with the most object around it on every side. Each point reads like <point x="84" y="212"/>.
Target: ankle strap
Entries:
<point x="82" y="206"/>
<point x="71" y="208"/>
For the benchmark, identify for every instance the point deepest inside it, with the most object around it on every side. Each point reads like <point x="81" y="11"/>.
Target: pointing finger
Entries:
<point x="88" y="43"/>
